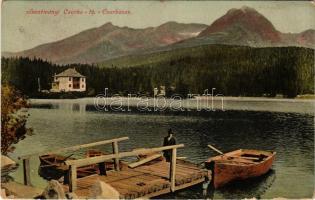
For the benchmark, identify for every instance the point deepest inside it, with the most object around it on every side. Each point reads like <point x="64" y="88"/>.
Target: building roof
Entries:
<point x="71" y="72"/>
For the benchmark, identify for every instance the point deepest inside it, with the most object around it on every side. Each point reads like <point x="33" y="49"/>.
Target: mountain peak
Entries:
<point x="248" y="9"/>
<point x="169" y="23"/>
<point x="306" y="38"/>
<point x="244" y="10"/>
<point x="107" y="25"/>
<point x="248" y="19"/>
<point x="172" y="25"/>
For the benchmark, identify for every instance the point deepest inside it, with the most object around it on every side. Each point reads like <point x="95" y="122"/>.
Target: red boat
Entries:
<point x="239" y="165"/>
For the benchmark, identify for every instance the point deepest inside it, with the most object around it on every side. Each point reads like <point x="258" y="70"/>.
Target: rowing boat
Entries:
<point x="239" y="165"/>
<point x="52" y="166"/>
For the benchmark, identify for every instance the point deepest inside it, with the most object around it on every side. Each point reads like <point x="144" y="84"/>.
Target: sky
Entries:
<point x="21" y="30"/>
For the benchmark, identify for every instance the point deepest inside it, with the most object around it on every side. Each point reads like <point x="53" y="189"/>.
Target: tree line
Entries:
<point x="233" y="71"/>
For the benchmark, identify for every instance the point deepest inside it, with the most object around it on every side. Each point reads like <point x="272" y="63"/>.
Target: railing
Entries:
<point x="74" y="164"/>
<point x="26" y="158"/>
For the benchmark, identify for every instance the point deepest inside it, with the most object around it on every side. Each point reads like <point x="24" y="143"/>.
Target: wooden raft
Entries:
<point x="144" y="181"/>
<point x="141" y="180"/>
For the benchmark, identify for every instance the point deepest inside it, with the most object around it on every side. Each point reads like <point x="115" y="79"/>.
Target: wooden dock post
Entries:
<point x="26" y="171"/>
<point x="72" y="173"/>
<point x="116" y="151"/>
<point x="173" y="169"/>
<point x="72" y="178"/>
<point x="73" y="164"/>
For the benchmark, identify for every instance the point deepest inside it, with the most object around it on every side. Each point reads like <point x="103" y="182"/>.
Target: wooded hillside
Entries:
<point x="232" y="70"/>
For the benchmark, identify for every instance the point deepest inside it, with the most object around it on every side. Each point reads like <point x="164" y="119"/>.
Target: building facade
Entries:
<point x="69" y="81"/>
<point x="159" y="91"/>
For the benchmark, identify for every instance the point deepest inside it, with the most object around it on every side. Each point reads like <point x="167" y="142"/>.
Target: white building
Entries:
<point x="69" y="81"/>
<point x="159" y="91"/>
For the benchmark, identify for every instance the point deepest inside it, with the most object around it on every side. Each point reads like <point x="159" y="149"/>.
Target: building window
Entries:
<point x="69" y="78"/>
<point x="82" y="79"/>
<point x="69" y="85"/>
<point x="56" y="78"/>
<point x="82" y="86"/>
<point x="76" y="82"/>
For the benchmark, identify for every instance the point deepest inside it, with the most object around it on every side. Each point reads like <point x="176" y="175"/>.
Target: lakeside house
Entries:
<point x="69" y="81"/>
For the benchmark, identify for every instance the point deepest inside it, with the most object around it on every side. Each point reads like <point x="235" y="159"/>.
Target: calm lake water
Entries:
<point x="290" y="134"/>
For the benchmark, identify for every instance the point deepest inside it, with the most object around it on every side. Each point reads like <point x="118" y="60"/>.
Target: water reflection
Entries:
<point x="291" y="135"/>
<point x="255" y="187"/>
<point x="77" y="107"/>
<point x="230" y="103"/>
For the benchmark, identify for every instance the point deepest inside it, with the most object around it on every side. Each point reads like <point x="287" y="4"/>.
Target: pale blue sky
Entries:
<point x="21" y="31"/>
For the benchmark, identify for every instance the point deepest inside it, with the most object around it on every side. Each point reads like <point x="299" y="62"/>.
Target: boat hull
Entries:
<point x="225" y="172"/>
<point x="53" y="166"/>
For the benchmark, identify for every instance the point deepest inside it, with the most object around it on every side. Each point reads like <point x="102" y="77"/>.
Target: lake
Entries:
<point x="286" y="127"/>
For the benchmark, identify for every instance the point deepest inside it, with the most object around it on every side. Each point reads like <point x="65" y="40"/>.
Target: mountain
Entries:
<point x="305" y="38"/>
<point x="247" y="27"/>
<point x="246" y="23"/>
<point x="109" y="41"/>
<point x="244" y="27"/>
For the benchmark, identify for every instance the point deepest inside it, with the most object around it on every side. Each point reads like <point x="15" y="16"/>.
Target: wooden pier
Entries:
<point x="149" y="177"/>
<point x="144" y="181"/>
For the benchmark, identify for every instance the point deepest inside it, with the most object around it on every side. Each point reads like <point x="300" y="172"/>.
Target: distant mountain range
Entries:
<point x="245" y="27"/>
<point x="110" y="41"/>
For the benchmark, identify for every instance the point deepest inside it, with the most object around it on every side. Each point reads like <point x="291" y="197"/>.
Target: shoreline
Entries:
<point x="124" y="104"/>
<point x="202" y="98"/>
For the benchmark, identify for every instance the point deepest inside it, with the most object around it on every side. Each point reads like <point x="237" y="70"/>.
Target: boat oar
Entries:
<point x="215" y="149"/>
<point x="51" y="165"/>
<point x="232" y="157"/>
<point x="67" y="157"/>
<point x="55" y="164"/>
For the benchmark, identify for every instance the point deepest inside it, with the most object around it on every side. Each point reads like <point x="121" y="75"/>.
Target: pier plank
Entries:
<point x="163" y="169"/>
<point x="144" y="179"/>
